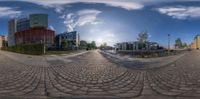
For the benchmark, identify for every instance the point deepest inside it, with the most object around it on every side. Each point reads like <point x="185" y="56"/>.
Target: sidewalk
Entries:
<point x="63" y="57"/>
<point x="141" y="63"/>
<point x="39" y="60"/>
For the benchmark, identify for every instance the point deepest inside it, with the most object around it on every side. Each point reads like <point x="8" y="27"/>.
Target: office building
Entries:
<point x="35" y="35"/>
<point x="38" y="20"/>
<point x="24" y="25"/>
<point x="12" y="28"/>
<point x="73" y="39"/>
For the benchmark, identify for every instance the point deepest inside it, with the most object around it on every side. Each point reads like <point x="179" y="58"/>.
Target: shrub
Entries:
<point x="33" y="49"/>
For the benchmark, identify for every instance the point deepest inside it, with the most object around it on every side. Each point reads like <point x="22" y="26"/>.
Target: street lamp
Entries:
<point x="168" y="43"/>
<point x="44" y="45"/>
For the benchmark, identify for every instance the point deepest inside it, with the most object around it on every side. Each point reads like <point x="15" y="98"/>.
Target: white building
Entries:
<point x="136" y="46"/>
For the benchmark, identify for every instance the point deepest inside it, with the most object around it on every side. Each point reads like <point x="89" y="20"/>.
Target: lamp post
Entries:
<point x="168" y="43"/>
<point x="44" y="47"/>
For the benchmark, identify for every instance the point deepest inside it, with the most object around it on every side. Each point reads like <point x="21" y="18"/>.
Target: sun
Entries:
<point x="99" y="41"/>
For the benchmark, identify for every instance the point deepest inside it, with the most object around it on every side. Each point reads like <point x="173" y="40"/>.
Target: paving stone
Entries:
<point x="94" y="75"/>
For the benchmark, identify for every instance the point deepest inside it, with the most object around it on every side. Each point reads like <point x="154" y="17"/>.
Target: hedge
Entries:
<point x="33" y="49"/>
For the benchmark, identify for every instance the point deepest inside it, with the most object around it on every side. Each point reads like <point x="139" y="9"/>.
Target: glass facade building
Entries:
<point x="72" y="37"/>
<point x="23" y="24"/>
<point x="38" y="20"/>
<point x="12" y="28"/>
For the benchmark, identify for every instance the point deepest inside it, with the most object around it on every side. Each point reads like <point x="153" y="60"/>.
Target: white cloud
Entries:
<point x="9" y="12"/>
<point x="51" y="27"/>
<point x="181" y="12"/>
<point x="88" y="16"/>
<point x="59" y="9"/>
<point x="81" y="18"/>
<point x="88" y="11"/>
<point x="128" y="5"/>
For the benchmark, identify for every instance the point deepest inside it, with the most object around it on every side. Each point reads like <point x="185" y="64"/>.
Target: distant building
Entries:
<point x="35" y="35"/>
<point x="3" y="41"/>
<point x="137" y="46"/>
<point x="73" y="39"/>
<point x="24" y="24"/>
<point x="195" y="43"/>
<point x="83" y="44"/>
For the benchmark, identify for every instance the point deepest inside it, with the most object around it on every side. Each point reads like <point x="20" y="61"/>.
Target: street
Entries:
<point x="94" y="75"/>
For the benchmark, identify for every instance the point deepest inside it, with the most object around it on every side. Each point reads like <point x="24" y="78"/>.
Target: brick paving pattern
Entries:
<point x="93" y="75"/>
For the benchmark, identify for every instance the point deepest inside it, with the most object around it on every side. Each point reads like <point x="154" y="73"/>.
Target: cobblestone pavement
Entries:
<point x="92" y="75"/>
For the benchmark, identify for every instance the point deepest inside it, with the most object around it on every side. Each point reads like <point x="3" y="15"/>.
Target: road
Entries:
<point x="92" y="75"/>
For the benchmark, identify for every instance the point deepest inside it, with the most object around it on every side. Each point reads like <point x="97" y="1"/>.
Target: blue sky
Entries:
<point x="112" y="21"/>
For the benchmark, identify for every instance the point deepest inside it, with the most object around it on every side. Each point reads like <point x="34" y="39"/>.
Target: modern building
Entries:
<point x="12" y="28"/>
<point x="26" y="24"/>
<point x="38" y="20"/>
<point x="73" y="39"/>
<point x="23" y="24"/>
<point x="123" y="46"/>
<point x="35" y="35"/>
<point x="195" y="43"/>
<point x="3" y="41"/>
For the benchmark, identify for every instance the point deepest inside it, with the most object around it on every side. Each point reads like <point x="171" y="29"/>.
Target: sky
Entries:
<point x="112" y="21"/>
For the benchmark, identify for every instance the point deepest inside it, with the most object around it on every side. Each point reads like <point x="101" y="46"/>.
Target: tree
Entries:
<point x="89" y="46"/>
<point x="178" y="43"/>
<point x="64" y="44"/>
<point x="104" y="45"/>
<point x="143" y="37"/>
<point x="93" y="45"/>
<point x="184" y="45"/>
<point x="83" y="44"/>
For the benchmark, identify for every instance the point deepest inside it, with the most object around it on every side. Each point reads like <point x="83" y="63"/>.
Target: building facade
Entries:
<point x="35" y="35"/>
<point x="38" y="20"/>
<point x="137" y="46"/>
<point x="23" y="24"/>
<point x="12" y="28"/>
<point x="73" y="39"/>
<point x="26" y="24"/>
<point x="2" y="41"/>
<point x="195" y="43"/>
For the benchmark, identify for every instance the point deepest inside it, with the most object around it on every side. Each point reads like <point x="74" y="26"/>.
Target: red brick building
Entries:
<point x="35" y="35"/>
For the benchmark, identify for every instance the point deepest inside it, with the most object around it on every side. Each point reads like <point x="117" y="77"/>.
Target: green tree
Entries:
<point x="93" y="45"/>
<point x="83" y="44"/>
<point x="64" y="44"/>
<point x="184" y="45"/>
<point x="89" y="46"/>
<point x="143" y="37"/>
<point x="178" y="43"/>
<point x="103" y="45"/>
